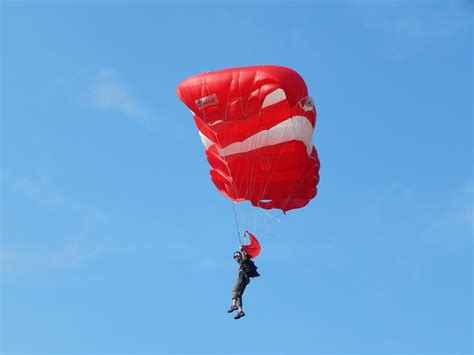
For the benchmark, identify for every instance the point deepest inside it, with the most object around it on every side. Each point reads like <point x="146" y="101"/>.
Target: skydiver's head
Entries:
<point x="237" y="256"/>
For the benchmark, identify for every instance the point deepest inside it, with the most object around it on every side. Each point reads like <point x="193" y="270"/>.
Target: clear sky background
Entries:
<point x="115" y="240"/>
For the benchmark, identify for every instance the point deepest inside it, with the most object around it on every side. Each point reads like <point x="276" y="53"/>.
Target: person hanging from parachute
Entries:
<point x="247" y="269"/>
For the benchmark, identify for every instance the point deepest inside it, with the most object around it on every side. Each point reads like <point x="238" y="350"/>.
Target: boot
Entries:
<point x="239" y="315"/>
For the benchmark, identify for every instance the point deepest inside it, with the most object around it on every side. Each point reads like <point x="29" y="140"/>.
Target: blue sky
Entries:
<point x="114" y="239"/>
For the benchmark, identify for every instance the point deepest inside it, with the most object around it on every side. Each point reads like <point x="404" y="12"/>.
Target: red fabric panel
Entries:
<point x="283" y="183"/>
<point x="253" y="249"/>
<point x="224" y="132"/>
<point x="239" y="91"/>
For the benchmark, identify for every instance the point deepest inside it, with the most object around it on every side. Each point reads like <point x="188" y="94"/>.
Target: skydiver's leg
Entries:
<point x="236" y="293"/>
<point x="241" y="312"/>
<point x="233" y="307"/>
<point x="239" y="304"/>
<point x="244" y="284"/>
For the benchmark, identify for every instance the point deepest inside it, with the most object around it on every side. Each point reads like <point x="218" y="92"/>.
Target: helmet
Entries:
<point x="237" y="254"/>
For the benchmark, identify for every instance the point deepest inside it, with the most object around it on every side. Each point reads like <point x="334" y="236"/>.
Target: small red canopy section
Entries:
<point x="253" y="249"/>
<point x="256" y="124"/>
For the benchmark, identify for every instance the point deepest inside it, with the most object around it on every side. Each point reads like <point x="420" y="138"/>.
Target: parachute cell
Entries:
<point x="256" y="124"/>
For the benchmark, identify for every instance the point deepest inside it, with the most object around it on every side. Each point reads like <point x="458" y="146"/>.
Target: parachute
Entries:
<point x="256" y="124"/>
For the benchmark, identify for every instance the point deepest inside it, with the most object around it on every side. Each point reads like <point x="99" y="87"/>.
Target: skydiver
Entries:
<point x="247" y="269"/>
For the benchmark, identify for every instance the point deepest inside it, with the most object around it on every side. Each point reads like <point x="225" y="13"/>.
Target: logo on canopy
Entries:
<point x="206" y="101"/>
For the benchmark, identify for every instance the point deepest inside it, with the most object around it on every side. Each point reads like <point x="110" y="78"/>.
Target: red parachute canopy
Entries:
<point x="253" y="249"/>
<point x="257" y="125"/>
